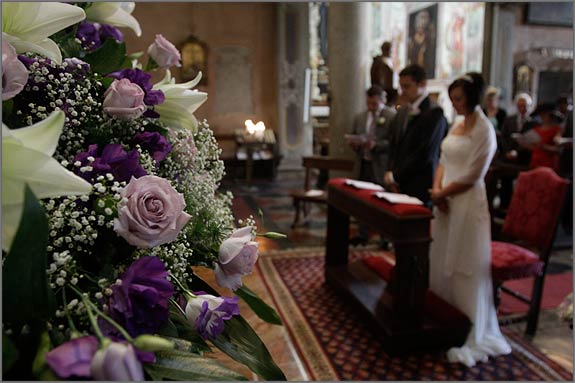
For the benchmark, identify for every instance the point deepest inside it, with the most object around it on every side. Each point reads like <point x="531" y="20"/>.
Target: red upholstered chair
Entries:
<point x="531" y="222"/>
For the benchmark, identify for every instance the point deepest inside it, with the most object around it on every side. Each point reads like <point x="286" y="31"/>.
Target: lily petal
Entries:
<point x="116" y="14"/>
<point x="176" y="116"/>
<point x="27" y="26"/>
<point x="42" y="136"/>
<point x="27" y="159"/>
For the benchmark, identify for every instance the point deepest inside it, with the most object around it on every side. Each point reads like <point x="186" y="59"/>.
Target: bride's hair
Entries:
<point x="473" y="87"/>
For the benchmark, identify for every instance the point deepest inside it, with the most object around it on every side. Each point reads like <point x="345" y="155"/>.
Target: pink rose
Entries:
<point x="124" y="99"/>
<point x="14" y="73"/>
<point x="164" y="53"/>
<point x="237" y="257"/>
<point x="151" y="212"/>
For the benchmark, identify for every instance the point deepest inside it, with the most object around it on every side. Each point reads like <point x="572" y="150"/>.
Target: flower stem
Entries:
<point x="70" y="321"/>
<point x="91" y="316"/>
<point x="172" y="301"/>
<point x="113" y="323"/>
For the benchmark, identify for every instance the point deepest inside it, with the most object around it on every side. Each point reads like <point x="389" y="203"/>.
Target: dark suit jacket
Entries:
<point x="414" y="151"/>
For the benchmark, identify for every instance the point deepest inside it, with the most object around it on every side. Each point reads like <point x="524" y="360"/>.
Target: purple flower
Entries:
<point x="209" y="312"/>
<point x="77" y="66"/>
<point x="140" y="303"/>
<point x="114" y="159"/>
<point x="124" y="100"/>
<point x="73" y="358"/>
<point x="89" y="35"/>
<point x="14" y="72"/>
<point x="138" y="76"/>
<point x="117" y="361"/>
<point x="92" y="35"/>
<point x="110" y="32"/>
<point x="154" y="143"/>
<point x="164" y="53"/>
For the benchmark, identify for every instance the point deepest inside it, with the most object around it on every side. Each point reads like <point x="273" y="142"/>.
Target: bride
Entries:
<point x="460" y="257"/>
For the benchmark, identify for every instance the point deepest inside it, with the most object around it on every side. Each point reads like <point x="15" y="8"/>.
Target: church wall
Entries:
<point x="242" y="56"/>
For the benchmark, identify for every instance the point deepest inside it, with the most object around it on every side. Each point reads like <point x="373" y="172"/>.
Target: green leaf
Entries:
<point x="169" y="329"/>
<point x="9" y="354"/>
<point x="179" y="365"/>
<point x="259" y="307"/>
<point x="108" y="58"/>
<point x="187" y="332"/>
<point x="240" y="342"/>
<point x="39" y="366"/>
<point x="26" y="293"/>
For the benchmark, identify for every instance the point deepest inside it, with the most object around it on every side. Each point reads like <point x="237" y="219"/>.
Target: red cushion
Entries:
<point x="535" y="207"/>
<point x="509" y="261"/>
<point x="436" y="307"/>
<point x="381" y="265"/>
<point x="369" y="195"/>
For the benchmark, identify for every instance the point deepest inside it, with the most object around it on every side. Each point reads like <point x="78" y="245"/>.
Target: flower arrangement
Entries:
<point x="110" y="198"/>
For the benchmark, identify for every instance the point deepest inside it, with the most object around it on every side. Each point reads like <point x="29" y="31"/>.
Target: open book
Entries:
<point x="364" y="185"/>
<point x="356" y="139"/>
<point x="399" y="198"/>
<point x="530" y="137"/>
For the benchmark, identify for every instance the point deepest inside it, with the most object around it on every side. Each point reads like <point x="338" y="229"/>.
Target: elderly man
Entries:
<point x="510" y="150"/>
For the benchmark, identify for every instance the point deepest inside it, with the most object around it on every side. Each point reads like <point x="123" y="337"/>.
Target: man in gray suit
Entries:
<point x="370" y="140"/>
<point x="370" y="137"/>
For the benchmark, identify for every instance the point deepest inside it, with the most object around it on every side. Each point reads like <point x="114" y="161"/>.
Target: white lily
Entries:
<point x="27" y="159"/>
<point x="177" y="111"/>
<point x="116" y="14"/>
<point x="27" y="25"/>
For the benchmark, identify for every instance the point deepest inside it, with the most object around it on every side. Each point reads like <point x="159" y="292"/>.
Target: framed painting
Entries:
<point x="422" y="39"/>
<point x="194" y="60"/>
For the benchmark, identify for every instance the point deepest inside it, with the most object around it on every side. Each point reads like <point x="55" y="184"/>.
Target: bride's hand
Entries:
<point x="439" y="200"/>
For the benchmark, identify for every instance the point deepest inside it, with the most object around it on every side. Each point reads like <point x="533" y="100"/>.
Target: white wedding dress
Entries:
<point x="460" y="256"/>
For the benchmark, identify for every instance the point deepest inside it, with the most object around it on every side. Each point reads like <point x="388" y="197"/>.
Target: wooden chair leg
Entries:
<point x="296" y="204"/>
<point x="535" y="306"/>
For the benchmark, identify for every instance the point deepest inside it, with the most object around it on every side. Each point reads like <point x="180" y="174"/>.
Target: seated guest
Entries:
<point x="460" y="253"/>
<point x="544" y="151"/>
<point x="370" y="141"/>
<point x="416" y="134"/>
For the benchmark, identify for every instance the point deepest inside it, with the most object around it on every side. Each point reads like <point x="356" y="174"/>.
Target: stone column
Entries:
<point x="295" y="134"/>
<point x="349" y="63"/>
<point x="501" y="52"/>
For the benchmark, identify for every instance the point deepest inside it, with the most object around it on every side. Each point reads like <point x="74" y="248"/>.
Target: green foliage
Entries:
<point x="26" y="292"/>
<point x="258" y="306"/>
<point x="110" y="57"/>
<point x="9" y="354"/>
<point x="180" y="365"/>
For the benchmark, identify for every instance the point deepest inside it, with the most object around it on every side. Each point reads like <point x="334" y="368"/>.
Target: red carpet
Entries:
<point x="335" y="344"/>
<point x="556" y="288"/>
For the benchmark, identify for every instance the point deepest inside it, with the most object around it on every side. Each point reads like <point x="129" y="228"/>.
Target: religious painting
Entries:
<point x="522" y="79"/>
<point x="194" y="60"/>
<point x="461" y="39"/>
<point x="422" y="39"/>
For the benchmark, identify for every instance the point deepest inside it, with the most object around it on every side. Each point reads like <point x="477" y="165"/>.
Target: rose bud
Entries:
<point x="124" y="100"/>
<point x="237" y="257"/>
<point x="14" y="73"/>
<point x="117" y="361"/>
<point x="164" y="53"/>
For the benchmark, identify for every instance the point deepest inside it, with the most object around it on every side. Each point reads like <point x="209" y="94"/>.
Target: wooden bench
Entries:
<point x="308" y="195"/>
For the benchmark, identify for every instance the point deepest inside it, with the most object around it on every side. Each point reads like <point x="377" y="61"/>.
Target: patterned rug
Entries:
<point x="334" y="343"/>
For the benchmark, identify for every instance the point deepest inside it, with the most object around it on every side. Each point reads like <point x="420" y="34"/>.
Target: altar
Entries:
<point x="395" y="299"/>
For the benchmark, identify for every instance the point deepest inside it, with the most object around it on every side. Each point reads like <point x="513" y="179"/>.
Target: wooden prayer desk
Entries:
<point x="407" y="315"/>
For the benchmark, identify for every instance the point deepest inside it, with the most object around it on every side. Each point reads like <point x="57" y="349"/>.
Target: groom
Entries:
<point x="417" y="131"/>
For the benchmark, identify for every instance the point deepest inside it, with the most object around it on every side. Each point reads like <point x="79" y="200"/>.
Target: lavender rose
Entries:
<point x="151" y="212"/>
<point x="208" y="313"/>
<point x="124" y="99"/>
<point x="14" y="72"/>
<point x="164" y="53"/>
<point x="237" y="257"/>
<point x="73" y="358"/>
<point x="117" y="361"/>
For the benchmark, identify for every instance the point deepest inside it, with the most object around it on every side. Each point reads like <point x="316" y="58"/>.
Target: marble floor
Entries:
<point x="554" y="337"/>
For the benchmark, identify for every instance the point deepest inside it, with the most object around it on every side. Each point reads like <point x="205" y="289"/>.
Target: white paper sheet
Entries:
<point x="399" y="198"/>
<point x="364" y="185"/>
